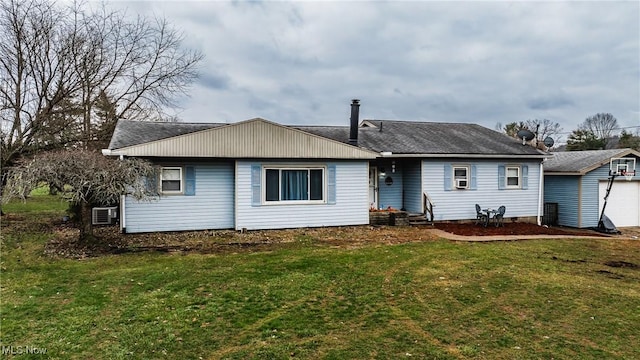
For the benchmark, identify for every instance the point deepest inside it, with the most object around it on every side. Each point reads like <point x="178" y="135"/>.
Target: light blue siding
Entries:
<point x="212" y="206"/>
<point x="564" y="190"/>
<point x="412" y="196"/>
<point x="351" y="207"/>
<point x="390" y="195"/>
<point x="460" y="204"/>
<point x="578" y="197"/>
<point x="590" y="195"/>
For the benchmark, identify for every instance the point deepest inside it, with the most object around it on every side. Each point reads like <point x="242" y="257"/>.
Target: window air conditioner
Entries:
<point x="104" y="216"/>
<point x="461" y="183"/>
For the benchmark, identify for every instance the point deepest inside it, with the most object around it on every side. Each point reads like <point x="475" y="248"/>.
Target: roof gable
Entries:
<point x="582" y="162"/>
<point x="255" y="138"/>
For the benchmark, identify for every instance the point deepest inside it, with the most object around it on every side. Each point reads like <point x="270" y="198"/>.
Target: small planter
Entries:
<point x="388" y="217"/>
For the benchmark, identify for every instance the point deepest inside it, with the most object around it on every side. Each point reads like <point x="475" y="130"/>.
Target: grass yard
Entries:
<point x="561" y="299"/>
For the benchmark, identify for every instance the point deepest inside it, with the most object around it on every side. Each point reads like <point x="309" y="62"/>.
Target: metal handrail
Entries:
<point x="427" y="206"/>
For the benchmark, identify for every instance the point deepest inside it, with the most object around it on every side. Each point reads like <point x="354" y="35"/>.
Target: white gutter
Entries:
<point x="477" y="156"/>
<point x="540" y="192"/>
<point x="106" y="152"/>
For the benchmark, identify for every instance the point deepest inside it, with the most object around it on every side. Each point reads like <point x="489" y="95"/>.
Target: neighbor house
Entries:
<point x="575" y="182"/>
<point x="258" y="174"/>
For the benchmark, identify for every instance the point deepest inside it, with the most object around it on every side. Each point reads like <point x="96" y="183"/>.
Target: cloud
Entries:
<point x="482" y="62"/>
<point x="213" y="81"/>
<point x="548" y="102"/>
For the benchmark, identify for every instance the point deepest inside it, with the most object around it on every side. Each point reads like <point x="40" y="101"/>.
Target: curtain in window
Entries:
<point x="295" y="185"/>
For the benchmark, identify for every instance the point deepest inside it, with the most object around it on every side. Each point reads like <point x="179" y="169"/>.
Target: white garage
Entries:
<point x="623" y="204"/>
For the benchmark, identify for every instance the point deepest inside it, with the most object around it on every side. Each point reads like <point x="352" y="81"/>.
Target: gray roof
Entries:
<point x="128" y="132"/>
<point x="581" y="162"/>
<point x="397" y="137"/>
<point x="428" y="138"/>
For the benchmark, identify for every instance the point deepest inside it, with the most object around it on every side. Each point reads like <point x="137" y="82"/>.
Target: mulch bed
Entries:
<point x="511" y="228"/>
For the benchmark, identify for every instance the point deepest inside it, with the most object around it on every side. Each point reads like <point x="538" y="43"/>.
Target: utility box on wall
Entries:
<point x="550" y="214"/>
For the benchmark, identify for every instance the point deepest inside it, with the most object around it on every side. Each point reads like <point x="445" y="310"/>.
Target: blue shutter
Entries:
<point x="525" y="177"/>
<point x="331" y="184"/>
<point x="190" y="181"/>
<point x="502" y="177"/>
<point x="256" y="176"/>
<point x="447" y="177"/>
<point x="474" y="178"/>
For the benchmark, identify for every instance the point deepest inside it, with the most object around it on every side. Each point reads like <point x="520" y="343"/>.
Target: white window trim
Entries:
<point x="467" y="177"/>
<point x="506" y="176"/>
<point x="293" y="167"/>
<point x="171" y="192"/>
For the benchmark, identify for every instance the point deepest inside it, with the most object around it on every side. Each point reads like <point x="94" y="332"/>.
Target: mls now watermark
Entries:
<point x="23" y="350"/>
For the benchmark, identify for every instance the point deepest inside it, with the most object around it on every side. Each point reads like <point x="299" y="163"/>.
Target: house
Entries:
<point x="257" y="174"/>
<point x="577" y="182"/>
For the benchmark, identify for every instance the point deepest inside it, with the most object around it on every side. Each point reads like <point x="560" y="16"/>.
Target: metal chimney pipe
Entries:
<point x="355" y="119"/>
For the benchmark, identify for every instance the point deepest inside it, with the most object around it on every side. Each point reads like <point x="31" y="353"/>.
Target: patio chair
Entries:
<point x="499" y="216"/>
<point x="481" y="217"/>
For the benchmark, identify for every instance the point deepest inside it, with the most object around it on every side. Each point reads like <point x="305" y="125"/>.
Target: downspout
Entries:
<point x="540" y="191"/>
<point x="123" y="221"/>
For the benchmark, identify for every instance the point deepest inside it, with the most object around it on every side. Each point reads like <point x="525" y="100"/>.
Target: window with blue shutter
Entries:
<point x="190" y="181"/>
<point x="298" y="184"/>
<point x="171" y="180"/>
<point x="513" y="177"/>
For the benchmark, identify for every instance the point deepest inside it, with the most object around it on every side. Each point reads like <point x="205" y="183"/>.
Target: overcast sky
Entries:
<point x="473" y="62"/>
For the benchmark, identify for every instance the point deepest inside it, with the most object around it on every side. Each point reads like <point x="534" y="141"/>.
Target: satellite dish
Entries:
<point x="525" y="135"/>
<point x="548" y="142"/>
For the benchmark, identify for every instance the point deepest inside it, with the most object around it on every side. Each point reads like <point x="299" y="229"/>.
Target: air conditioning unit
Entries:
<point x="104" y="215"/>
<point x="461" y="183"/>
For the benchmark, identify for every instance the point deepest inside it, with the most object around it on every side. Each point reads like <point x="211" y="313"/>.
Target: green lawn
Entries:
<point x="430" y="300"/>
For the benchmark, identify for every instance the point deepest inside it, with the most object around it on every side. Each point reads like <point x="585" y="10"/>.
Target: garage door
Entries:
<point x="623" y="205"/>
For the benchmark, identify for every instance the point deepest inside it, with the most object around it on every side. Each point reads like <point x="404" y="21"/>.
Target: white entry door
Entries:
<point x="373" y="187"/>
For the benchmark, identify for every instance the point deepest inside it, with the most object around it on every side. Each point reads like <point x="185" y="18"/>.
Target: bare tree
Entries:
<point x="85" y="178"/>
<point x="542" y="129"/>
<point x="57" y="62"/>
<point x="36" y="76"/>
<point x="601" y="125"/>
<point x="140" y="63"/>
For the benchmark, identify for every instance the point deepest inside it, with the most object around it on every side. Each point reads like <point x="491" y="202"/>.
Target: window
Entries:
<point x="461" y="177"/>
<point x="513" y="176"/>
<point x="171" y="180"/>
<point x="294" y="184"/>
